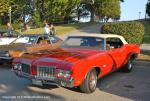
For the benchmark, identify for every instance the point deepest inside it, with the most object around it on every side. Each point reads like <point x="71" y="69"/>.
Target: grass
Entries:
<point x="62" y="29"/>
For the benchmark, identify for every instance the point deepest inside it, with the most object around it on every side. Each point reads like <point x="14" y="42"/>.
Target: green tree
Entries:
<point x="56" y="9"/>
<point x="95" y="5"/>
<point x="107" y="9"/>
<point x="4" y="10"/>
<point x="21" y="9"/>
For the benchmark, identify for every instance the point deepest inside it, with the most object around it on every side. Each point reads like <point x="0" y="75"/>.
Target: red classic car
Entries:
<point x="79" y="62"/>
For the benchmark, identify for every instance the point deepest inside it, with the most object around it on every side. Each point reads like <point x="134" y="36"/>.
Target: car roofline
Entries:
<point x="101" y="36"/>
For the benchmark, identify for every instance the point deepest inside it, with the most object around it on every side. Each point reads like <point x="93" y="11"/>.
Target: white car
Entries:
<point x="6" y="40"/>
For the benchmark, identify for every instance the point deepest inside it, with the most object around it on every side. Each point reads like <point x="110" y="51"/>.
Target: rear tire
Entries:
<point x="90" y="82"/>
<point x="128" y="66"/>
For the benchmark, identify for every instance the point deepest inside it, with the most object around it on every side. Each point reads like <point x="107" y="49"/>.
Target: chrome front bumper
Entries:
<point x="41" y="81"/>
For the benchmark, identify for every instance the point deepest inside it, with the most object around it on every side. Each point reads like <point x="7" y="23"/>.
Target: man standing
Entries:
<point x="9" y="30"/>
<point x="46" y="29"/>
<point x="52" y="29"/>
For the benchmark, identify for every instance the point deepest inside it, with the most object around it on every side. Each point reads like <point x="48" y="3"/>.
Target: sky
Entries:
<point x="130" y="9"/>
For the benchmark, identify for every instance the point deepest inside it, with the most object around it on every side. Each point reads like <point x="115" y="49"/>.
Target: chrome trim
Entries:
<point x="6" y="58"/>
<point x="50" y="69"/>
<point x="56" y="81"/>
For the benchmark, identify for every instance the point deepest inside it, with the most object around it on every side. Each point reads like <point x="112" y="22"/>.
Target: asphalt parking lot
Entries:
<point x="117" y="86"/>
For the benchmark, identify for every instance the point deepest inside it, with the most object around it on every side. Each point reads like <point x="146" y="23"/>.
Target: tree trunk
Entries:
<point x="92" y="14"/>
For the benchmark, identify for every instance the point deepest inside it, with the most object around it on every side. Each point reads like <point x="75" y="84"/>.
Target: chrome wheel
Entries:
<point x="130" y="65"/>
<point x="93" y="81"/>
<point x="90" y="82"/>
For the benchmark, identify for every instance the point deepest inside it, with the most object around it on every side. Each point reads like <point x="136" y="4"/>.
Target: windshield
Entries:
<point x="84" y="42"/>
<point x="26" y="39"/>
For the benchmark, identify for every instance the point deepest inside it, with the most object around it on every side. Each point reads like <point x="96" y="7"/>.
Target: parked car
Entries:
<point x="27" y="44"/>
<point x="5" y="39"/>
<point x="80" y="61"/>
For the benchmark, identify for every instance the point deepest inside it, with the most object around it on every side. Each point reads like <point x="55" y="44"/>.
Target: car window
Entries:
<point x="54" y="39"/>
<point x="43" y="40"/>
<point x="84" y="42"/>
<point x="25" y="40"/>
<point x="39" y="39"/>
<point x="113" y="43"/>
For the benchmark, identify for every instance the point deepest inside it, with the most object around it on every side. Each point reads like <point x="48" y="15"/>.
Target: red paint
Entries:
<point x="80" y="61"/>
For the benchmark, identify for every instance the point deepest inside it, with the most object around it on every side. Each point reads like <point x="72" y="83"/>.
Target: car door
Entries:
<point x="117" y="51"/>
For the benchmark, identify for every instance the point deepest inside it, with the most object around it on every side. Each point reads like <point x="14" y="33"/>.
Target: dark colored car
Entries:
<point x="29" y="43"/>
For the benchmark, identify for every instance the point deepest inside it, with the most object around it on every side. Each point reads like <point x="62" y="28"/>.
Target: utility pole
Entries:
<point x="10" y="14"/>
<point x="139" y="15"/>
<point x="51" y="10"/>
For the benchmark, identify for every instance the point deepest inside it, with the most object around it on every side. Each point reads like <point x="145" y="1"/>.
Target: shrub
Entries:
<point x="16" y="26"/>
<point x="3" y="27"/>
<point x="133" y="32"/>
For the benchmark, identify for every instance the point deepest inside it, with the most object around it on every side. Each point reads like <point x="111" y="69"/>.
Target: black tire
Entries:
<point x="88" y="86"/>
<point x="128" y="66"/>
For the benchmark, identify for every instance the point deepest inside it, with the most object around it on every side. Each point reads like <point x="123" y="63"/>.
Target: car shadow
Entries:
<point x="133" y="85"/>
<point x="12" y="86"/>
<point x="50" y="87"/>
<point x="6" y="66"/>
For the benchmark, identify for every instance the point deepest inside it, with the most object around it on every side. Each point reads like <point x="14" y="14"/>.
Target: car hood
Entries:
<point x="58" y="56"/>
<point x="17" y="46"/>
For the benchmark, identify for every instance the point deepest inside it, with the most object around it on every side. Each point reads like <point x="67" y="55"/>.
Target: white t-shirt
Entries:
<point x="46" y="30"/>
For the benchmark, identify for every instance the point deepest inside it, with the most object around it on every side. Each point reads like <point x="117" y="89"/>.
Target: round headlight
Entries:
<point x="60" y="73"/>
<point x="67" y="74"/>
<point x="17" y="66"/>
<point x="64" y="73"/>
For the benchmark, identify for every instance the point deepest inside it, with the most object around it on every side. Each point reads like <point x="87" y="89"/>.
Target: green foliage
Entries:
<point x="21" y="9"/>
<point x="133" y="32"/>
<point x="107" y="8"/>
<point x="148" y="8"/>
<point x="103" y="8"/>
<point x="146" y="23"/>
<point x="3" y="27"/>
<point x="60" y="9"/>
<point x="4" y="7"/>
<point x="56" y="10"/>
<point x="36" y="21"/>
<point x="16" y="26"/>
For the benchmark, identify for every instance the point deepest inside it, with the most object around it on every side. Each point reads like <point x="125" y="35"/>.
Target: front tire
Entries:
<point x="90" y="82"/>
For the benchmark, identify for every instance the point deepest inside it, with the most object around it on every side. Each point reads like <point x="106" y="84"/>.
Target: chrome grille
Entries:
<point x="25" y="68"/>
<point x="47" y="72"/>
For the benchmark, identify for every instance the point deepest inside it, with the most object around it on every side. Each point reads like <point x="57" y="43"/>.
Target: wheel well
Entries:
<point x="133" y="56"/>
<point x="97" y="70"/>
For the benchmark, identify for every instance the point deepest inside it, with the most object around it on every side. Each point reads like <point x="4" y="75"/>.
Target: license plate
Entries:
<point x="37" y="82"/>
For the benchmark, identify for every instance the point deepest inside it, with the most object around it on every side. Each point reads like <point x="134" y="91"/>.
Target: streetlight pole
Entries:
<point x="139" y="15"/>
<point x="10" y="14"/>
